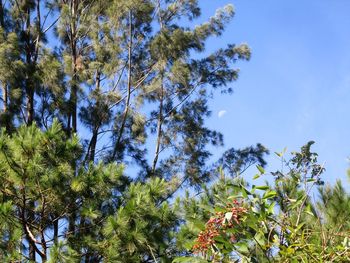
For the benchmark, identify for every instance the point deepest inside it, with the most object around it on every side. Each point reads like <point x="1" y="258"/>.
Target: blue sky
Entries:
<point x="296" y="87"/>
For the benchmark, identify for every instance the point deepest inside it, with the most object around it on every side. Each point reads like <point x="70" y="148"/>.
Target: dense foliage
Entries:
<point x="102" y="112"/>
<point x="280" y="221"/>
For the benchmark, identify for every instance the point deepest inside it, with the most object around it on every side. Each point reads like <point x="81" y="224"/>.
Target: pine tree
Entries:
<point x="124" y="69"/>
<point x="33" y="167"/>
<point x="86" y="85"/>
<point x="334" y="208"/>
<point x="41" y="190"/>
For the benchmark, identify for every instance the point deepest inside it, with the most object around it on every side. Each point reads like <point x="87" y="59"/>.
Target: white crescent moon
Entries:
<point x="221" y="113"/>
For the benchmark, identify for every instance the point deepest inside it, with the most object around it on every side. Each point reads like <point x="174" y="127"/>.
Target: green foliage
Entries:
<point x="281" y="222"/>
<point x="129" y="71"/>
<point x="115" y="220"/>
<point x="237" y="161"/>
<point x="141" y="228"/>
<point x="87" y="86"/>
<point x="90" y="87"/>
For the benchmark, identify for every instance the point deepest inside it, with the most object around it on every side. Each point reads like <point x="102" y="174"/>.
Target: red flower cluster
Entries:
<point x="218" y="224"/>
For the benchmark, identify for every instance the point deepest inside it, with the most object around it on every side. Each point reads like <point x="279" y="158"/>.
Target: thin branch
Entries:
<point x="150" y="249"/>
<point x="126" y="110"/>
<point x="159" y="129"/>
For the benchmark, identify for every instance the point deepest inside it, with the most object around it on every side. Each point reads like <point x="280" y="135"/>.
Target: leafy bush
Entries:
<point x="273" y="222"/>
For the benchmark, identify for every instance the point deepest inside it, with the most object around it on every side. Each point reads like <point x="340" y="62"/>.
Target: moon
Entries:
<point x="222" y="113"/>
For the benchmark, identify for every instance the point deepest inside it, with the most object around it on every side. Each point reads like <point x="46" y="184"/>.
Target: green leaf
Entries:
<point x="220" y="239"/>
<point x="278" y="154"/>
<point x="235" y="196"/>
<point x="299" y="226"/>
<point x="196" y="224"/>
<point x="189" y="259"/>
<point x="271" y="208"/>
<point x="308" y="210"/>
<point x="269" y="194"/>
<point x="188" y="245"/>
<point x="260" y="239"/>
<point x="207" y="208"/>
<point x="261" y="169"/>
<point x="242" y="247"/>
<point x="256" y="176"/>
<point x="246" y="191"/>
<point x="221" y="209"/>
<point x="77" y="185"/>
<point x="262" y="187"/>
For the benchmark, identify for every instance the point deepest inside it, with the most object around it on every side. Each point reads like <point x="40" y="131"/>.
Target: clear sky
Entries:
<point x="296" y="87"/>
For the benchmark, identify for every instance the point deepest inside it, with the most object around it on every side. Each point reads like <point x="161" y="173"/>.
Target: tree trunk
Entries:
<point x="159" y="130"/>
<point x="74" y="90"/>
<point x="73" y="100"/>
<point x="55" y="231"/>
<point x="73" y="96"/>
<point x="4" y="97"/>
<point x="29" y="87"/>
<point x="30" y="105"/>
<point x="92" y="147"/>
<point x="2" y="20"/>
<point x="29" y="76"/>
